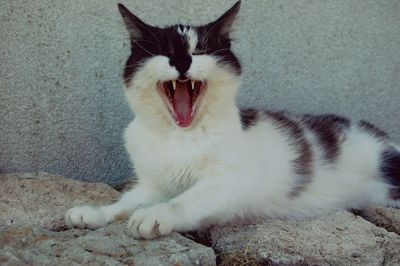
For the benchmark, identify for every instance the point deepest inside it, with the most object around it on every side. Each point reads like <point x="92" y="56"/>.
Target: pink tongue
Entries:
<point x="182" y="104"/>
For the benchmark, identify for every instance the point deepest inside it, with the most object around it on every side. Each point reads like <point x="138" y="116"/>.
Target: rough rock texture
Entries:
<point x="337" y="239"/>
<point x="42" y="199"/>
<point x="388" y="218"/>
<point x="32" y="230"/>
<point x="110" y="245"/>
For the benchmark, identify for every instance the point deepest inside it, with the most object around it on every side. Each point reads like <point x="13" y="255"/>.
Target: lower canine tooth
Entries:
<point x="174" y="84"/>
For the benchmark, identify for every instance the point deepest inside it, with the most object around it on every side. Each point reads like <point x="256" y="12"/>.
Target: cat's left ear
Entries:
<point x="223" y="25"/>
<point x="136" y="27"/>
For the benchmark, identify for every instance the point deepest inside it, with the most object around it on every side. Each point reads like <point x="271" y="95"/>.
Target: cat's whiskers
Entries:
<point x="213" y="53"/>
<point x="143" y="48"/>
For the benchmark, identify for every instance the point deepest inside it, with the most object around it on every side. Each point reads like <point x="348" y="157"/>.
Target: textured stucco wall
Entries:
<point x="62" y="103"/>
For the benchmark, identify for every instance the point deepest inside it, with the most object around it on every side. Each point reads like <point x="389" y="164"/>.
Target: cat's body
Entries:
<point x="200" y="160"/>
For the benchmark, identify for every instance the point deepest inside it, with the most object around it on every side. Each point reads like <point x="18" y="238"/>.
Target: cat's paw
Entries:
<point x="152" y="222"/>
<point x="84" y="217"/>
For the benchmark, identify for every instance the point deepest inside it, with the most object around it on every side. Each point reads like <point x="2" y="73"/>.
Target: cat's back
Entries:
<point x="311" y="144"/>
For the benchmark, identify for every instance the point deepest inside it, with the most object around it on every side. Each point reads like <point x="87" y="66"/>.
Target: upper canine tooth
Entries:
<point x="193" y="82"/>
<point x="174" y="84"/>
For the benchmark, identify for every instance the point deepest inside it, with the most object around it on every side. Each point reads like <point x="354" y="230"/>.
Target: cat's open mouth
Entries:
<point x="182" y="98"/>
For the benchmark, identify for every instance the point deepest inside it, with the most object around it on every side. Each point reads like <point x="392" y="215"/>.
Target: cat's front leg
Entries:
<point x="94" y="217"/>
<point x="208" y="200"/>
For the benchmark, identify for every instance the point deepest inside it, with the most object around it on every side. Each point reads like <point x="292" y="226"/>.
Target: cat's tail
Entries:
<point x="389" y="169"/>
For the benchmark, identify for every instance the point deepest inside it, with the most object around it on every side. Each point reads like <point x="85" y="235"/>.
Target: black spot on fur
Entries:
<point x="372" y="130"/>
<point x="303" y="164"/>
<point x="394" y="193"/>
<point x="248" y="118"/>
<point x="329" y="130"/>
<point x="390" y="170"/>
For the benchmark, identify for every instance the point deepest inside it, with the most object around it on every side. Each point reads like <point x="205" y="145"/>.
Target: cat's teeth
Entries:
<point x="193" y="82"/>
<point x="174" y="84"/>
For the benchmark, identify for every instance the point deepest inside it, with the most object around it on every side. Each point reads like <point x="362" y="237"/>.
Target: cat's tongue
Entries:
<point x="182" y="104"/>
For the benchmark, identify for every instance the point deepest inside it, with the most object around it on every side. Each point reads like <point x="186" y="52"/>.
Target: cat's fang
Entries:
<point x="169" y="90"/>
<point x="193" y="83"/>
<point x="174" y="84"/>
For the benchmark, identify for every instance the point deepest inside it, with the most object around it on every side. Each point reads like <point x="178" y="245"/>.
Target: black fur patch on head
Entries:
<point x="303" y="164"/>
<point x="167" y="42"/>
<point x="214" y="39"/>
<point x="211" y="43"/>
<point x="390" y="170"/>
<point x="148" y="41"/>
<point x="178" y="48"/>
<point x="372" y="130"/>
<point x="329" y="130"/>
<point x="248" y="118"/>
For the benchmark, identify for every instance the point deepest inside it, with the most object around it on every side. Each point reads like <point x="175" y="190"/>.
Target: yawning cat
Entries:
<point x="199" y="160"/>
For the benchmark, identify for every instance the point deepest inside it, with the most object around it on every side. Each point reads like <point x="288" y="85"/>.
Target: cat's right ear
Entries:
<point x="223" y="25"/>
<point x="134" y="25"/>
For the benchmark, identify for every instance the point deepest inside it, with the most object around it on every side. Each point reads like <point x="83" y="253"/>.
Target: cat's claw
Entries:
<point x="84" y="217"/>
<point x="152" y="222"/>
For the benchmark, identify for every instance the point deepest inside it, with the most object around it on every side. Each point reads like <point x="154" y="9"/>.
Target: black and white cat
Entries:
<point x="200" y="160"/>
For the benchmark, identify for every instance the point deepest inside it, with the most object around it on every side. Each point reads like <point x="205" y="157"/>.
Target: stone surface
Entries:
<point x="40" y="198"/>
<point x="32" y="230"/>
<point x="337" y="239"/>
<point x="62" y="104"/>
<point x="110" y="245"/>
<point x="388" y="218"/>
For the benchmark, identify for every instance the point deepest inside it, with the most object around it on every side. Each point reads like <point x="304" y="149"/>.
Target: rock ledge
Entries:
<point x="32" y="232"/>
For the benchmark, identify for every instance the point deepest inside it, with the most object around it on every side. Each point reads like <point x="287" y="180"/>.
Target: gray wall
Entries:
<point x="62" y="103"/>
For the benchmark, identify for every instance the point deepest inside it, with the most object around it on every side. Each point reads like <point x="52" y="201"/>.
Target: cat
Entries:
<point x="200" y="160"/>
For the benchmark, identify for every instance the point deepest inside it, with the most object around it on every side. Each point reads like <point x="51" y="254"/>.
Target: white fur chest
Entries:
<point x="172" y="160"/>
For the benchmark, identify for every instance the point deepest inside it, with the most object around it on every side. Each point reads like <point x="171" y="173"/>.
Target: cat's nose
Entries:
<point x="181" y="64"/>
